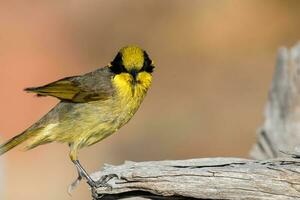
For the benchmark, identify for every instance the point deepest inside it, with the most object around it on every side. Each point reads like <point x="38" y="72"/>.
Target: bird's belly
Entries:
<point x="109" y="119"/>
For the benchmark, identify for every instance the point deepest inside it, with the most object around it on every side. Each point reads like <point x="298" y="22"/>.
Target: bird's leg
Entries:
<point x="83" y="173"/>
<point x="102" y="182"/>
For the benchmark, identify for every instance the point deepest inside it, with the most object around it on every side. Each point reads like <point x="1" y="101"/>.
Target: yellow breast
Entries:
<point x="129" y="92"/>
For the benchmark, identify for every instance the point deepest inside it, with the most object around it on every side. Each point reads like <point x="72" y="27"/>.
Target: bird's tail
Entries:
<point x="18" y="139"/>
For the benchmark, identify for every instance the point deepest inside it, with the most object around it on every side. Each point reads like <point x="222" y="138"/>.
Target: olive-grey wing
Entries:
<point x="93" y="86"/>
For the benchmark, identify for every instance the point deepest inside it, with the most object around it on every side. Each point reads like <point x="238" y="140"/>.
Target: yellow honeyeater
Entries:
<point x="92" y="106"/>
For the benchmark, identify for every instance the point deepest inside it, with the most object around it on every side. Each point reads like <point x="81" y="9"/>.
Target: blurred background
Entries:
<point x="214" y="61"/>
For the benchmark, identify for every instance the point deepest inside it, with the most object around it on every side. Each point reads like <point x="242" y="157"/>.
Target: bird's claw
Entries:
<point x="102" y="182"/>
<point x="95" y="194"/>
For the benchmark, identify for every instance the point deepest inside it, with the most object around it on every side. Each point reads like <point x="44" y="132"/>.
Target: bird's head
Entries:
<point x="133" y="65"/>
<point x="132" y="60"/>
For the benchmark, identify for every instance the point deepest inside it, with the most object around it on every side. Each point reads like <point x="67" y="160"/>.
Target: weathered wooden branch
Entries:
<point x="278" y="177"/>
<point x="207" y="178"/>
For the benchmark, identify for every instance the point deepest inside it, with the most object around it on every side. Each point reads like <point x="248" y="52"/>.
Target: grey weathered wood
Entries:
<point x="281" y="129"/>
<point x="214" y="178"/>
<point x="229" y="178"/>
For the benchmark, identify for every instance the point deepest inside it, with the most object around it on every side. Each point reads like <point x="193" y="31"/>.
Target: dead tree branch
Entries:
<point x="207" y="178"/>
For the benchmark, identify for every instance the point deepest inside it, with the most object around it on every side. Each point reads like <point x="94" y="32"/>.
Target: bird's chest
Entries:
<point x="116" y="112"/>
<point x="128" y="102"/>
<point x="128" y="96"/>
<point x="112" y="115"/>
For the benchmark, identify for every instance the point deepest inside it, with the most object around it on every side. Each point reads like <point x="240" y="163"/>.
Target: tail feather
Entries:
<point x="18" y="139"/>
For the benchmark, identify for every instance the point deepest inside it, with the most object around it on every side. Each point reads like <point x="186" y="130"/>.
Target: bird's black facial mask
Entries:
<point x="117" y="66"/>
<point x="147" y="67"/>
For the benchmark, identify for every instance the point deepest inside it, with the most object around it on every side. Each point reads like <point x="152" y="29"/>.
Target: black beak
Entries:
<point x="133" y="73"/>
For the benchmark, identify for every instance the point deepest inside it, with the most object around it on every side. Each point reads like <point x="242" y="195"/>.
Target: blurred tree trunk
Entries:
<point x="272" y="177"/>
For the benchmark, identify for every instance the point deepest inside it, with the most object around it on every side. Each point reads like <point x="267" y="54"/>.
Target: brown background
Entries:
<point x="214" y="66"/>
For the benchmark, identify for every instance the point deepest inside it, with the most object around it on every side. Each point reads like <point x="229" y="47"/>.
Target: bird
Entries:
<point x="91" y="106"/>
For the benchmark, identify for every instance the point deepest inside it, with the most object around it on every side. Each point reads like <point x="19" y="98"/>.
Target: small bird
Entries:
<point x="92" y="106"/>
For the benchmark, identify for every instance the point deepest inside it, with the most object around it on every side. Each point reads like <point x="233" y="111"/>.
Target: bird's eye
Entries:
<point x="117" y="66"/>
<point x="148" y="67"/>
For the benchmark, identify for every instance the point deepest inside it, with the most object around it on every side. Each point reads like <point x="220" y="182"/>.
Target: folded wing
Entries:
<point x="78" y="89"/>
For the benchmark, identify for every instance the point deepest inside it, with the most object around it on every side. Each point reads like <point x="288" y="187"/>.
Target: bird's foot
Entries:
<point x="102" y="182"/>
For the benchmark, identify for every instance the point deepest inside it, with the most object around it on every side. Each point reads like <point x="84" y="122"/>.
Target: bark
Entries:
<point x="206" y="178"/>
